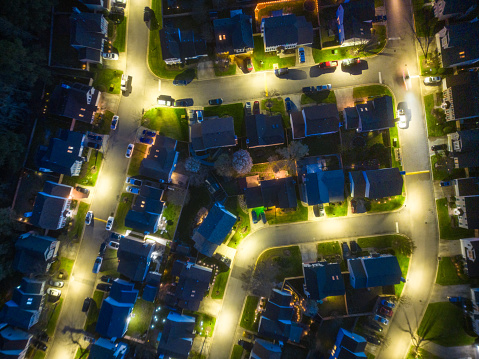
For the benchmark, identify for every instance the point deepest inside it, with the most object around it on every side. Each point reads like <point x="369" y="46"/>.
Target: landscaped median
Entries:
<point x="446" y="230"/>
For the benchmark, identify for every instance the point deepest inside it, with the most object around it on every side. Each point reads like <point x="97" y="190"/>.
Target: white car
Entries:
<point x="114" y="122"/>
<point x="54" y="292"/>
<point x="129" y="150"/>
<point x="114" y="245"/>
<point x="402" y="123"/>
<point x="110" y="56"/>
<point x="380" y="319"/>
<point x="56" y="283"/>
<point x="432" y="80"/>
<point x="88" y="218"/>
<point x="124" y="82"/>
<point x="109" y="223"/>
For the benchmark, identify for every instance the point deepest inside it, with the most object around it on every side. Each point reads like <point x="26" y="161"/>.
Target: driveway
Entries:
<point x="309" y="252"/>
<point x="441" y="292"/>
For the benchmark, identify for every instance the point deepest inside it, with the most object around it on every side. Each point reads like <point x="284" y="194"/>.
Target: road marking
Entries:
<point x="380" y="78"/>
<point x="159" y="85"/>
<point x="397" y="227"/>
<point x="394" y="38"/>
<point x="416" y="173"/>
<point x="101" y="220"/>
<point x="265" y="85"/>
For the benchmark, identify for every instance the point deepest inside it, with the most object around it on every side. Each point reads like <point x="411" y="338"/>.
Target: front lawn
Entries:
<point x="329" y="248"/>
<point x="89" y="171"/>
<point x="139" y="153"/>
<point x="387" y="204"/>
<point x="53" y="317"/>
<point x="450" y="272"/>
<point x="318" y="97"/>
<point x="204" y="325"/>
<point x="242" y="226"/>
<point x="394" y="137"/>
<point x="170" y="122"/>
<point x="379" y="242"/>
<point x="287" y="215"/>
<point x="436" y="119"/>
<point x="219" y="287"/>
<point x="265" y="61"/>
<point x="231" y="70"/>
<point x="79" y="222"/>
<point x="237" y="352"/>
<point x="372" y="91"/>
<point x="64" y="265"/>
<point x="443" y="324"/>
<point x="446" y="231"/>
<point x="248" y="319"/>
<point x="120" y="39"/>
<point x="404" y="265"/>
<point x="124" y="206"/>
<point x="234" y="110"/>
<point x="337" y="209"/>
<point x="107" y="80"/>
<point x="274" y="106"/>
<point x="442" y="173"/>
<point x="94" y="311"/>
<point x="102" y="125"/>
<point x="140" y="318"/>
<point x="287" y="259"/>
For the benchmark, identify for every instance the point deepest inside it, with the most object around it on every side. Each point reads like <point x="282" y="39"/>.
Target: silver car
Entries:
<point x="109" y="223"/>
<point x="432" y="80"/>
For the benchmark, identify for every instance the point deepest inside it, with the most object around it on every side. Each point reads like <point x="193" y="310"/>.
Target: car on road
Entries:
<point x="109" y="223"/>
<point x="102" y="250"/>
<point x="88" y="218"/>
<point x="263" y="217"/>
<point x="249" y="64"/>
<point x="380" y="319"/>
<point x="441" y="147"/>
<point x="129" y="150"/>
<point x="185" y="102"/>
<point x="350" y="62"/>
<point x="104" y="287"/>
<point x="371" y="339"/>
<point x="302" y="56"/>
<point x="95" y="146"/>
<point x="124" y="82"/>
<point x="387" y="303"/>
<point x="147" y="133"/>
<point x="56" y="283"/>
<point x="114" y="122"/>
<point x="133" y="189"/>
<point x="281" y="71"/>
<point x="256" y="110"/>
<point x="39" y="345"/>
<point x="107" y="278"/>
<point x="95" y="137"/>
<point x="323" y="87"/>
<point x="374" y="326"/>
<point x="54" y="292"/>
<point x="254" y="216"/>
<point x="110" y="56"/>
<point x="83" y="190"/>
<point x="308" y="89"/>
<point x="289" y="104"/>
<point x="97" y="264"/>
<point x="432" y="80"/>
<point x="328" y="64"/>
<point x="180" y="82"/>
<point x="402" y="122"/>
<point x="134" y="181"/>
<point x="385" y="312"/>
<point x="216" y="102"/>
<point x="86" y="304"/>
<point x="146" y="140"/>
<point x="247" y="108"/>
<point x="114" y="245"/>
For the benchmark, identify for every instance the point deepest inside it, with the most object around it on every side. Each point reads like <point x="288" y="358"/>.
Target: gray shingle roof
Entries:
<point x="378" y="271"/>
<point x="75" y="100"/>
<point x="63" y="152"/>
<point x="280" y="193"/>
<point x="467" y="186"/>
<point x="323" y="279"/>
<point x="287" y="29"/>
<point x="233" y="33"/>
<point x="213" y="132"/>
<point x="86" y="32"/>
<point x="262" y="130"/>
<point x="376" y="114"/>
<point x="134" y="257"/>
<point x="177" y="336"/>
<point x="194" y="281"/>
<point x="30" y="253"/>
<point x="48" y="208"/>
<point x="181" y="44"/>
<point x="161" y="159"/>
<point x="462" y="43"/>
<point x="382" y="183"/>
<point x="322" y="187"/>
<point x="464" y="90"/>
<point x="357" y="19"/>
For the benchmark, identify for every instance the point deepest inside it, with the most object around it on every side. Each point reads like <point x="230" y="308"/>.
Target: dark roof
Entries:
<point x="358" y="184"/>
<point x="463" y="93"/>
<point x="87" y="32"/>
<point x="213" y="132"/>
<point x="177" y="336"/>
<point x="349" y="345"/>
<point x="468" y="140"/>
<point x="48" y="208"/>
<point x="63" y="152"/>
<point x="280" y="193"/>
<point x="114" y="312"/>
<point x="376" y="114"/>
<point x="379" y="271"/>
<point x="262" y="130"/>
<point x="146" y="212"/>
<point x="357" y="277"/>
<point x="323" y="279"/>
<point x="214" y="229"/>
<point x="457" y="43"/>
<point x="134" y="258"/>
<point x="470" y="250"/>
<point x="233" y="33"/>
<point x="146" y="222"/>
<point x="457" y="6"/>
<point x="107" y="349"/>
<point x="161" y="159"/>
<point x="351" y="118"/>
<point x="355" y="20"/>
<point x="322" y="187"/>
<point x="194" y="281"/>
<point x="263" y="349"/>
<point x="13" y="341"/>
<point x="149" y="293"/>
<point x="382" y="183"/>
<point x="315" y="120"/>
<point x="467" y="186"/>
<point x="33" y="253"/>
<point x="181" y="44"/>
<point x="287" y="29"/>
<point x="471" y="208"/>
<point x="76" y="101"/>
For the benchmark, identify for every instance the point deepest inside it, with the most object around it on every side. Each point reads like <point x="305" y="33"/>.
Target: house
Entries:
<point x="264" y="349"/>
<point x="322" y="279"/>
<point x="276" y="321"/>
<point x="52" y="206"/>
<point x="176" y="338"/>
<point x="76" y="101"/>
<point x="14" y="342"/>
<point x="192" y="282"/>
<point x="234" y="35"/>
<point x="146" y="213"/>
<point x="467" y="208"/>
<point x="97" y="5"/>
<point x="475" y="309"/>
<point x="374" y="115"/>
<point x="88" y="35"/>
<point x="134" y="258"/>
<point x="152" y="285"/>
<point x="161" y="160"/>
<point x="262" y="130"/>
<point x="458" y="9"/>
<point x="355" y="22"/>
<point x="317" y="183"/>
<point x="104" y="348"/>
<point x="34" y="253"/>
<point x="315" y="120"/>
<point x="461" y="97"/>
<point x="348" y="346"/>
<point x="466" y="186"/>
<point x="180" y="45"/>
<point x="470" y="252"/>
<point x="213" y="230"/>
<point x="464" y="146"/>
<point x="116" y="309"/>
<point x="279" y="193"/>
<point x="375" y="184"/>
<point x="213" y="132"/>
<point x="455" y="44"/>
<point x="24" y="309"/>
<point x="286" y="32"/>
<point x="374" y="271"/>
<point x="63" y="155"/>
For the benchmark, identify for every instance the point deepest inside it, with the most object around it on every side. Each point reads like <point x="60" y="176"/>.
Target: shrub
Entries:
<point x="448" y="129"/>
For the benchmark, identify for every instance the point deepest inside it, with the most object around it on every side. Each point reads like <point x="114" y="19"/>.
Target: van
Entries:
<point x="281" y="71"/>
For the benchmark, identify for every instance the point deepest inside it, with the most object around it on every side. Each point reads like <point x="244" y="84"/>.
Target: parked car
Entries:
<point x="114" y="122"/>
<point x="129" y="150"/>
<point x="146" y="14"/>
<point x="101" y="253"/>
<point x="88" y="218"/>
<point x="104" y="287"/>
<point x="309" y="89"/>
<point x="256" y="110"/>
<point x="82" y="190"/>
<point x="185" y="102"/>
<point x="109" y="223"/>
<point x="349" y="62"/>
<point x="54" y="292"/>
<point x="86" y="304"/>
<point x="133" y="181"/>
<point x="323" y="87"/>
<point x="180" y="82"/>
<point x="456" y="299"/>
<point x="442" y="147"/>
<point x="199" y="116"/>
<point x="445" y="183"/>
<point x="43" y="336"/>
<point x="247" y="335"/>
<point x="289" y="104"/>
<point x="147" y="133"/>
<point x="124" y="82"/>
<point x="39" y="345"/>
<point x="374" y="326"/>
<point x="263" y="217"/>
<point x="388" y="304"/>
<point x="97" y="264"/>
<point x="432" y="80"/>
<point x="146" y="140"/>
<point x="302" y="56"/>
<point x="115" y="236"/>
<point x="354" y="247"/>
<point x="249" y="64"/>
<point x="402" y="122"/>
<point x="387" y="312"/>
<point x="133" y="189"/>
<point x="114" y="245"/>
<point x="281" y="71"/>
<point x="247" y="108"/>
<point x="164" y="100"/>
<point x="254" y="216"/>
<point x="94" y="145"/>
<point x="380" y="319"/>
<point x="328" y="64"/>
<point x="56" y="283"/>
<point x="371" y="339"/>
<point x="95" y="137"/>
<point x="107" y="278"/>
<point x="110" y="56"/>
<point x="216" y="101"/>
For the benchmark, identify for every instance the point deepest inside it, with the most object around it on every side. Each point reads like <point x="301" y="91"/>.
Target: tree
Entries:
<point x="403" y="245"/>
<point x="295" y="151"/>
<point x="242" y="162"/>
<point x="224" y="166"/>
<point x="192" y="164"/>
<point x="425" y="28"/>
<point x="260" y="280"/>
<point x="11" y="150"/>
<point x="198" y="179"/>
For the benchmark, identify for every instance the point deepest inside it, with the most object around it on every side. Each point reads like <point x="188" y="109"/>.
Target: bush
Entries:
<point x="433" y="71"/>
<point x="441" y="70"/>
<point x="448" y="129"/>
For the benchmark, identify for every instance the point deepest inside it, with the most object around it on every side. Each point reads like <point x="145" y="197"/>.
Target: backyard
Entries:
<point x="265" y="61"/>
<point x="124" y="206"/>
<point x="287" y="215"/>
<point x="140" y="318"/>
<point x="139" y="153"/>
<point x="436" y="119"/>
<point x="287" y="259"/>
<point x="446" y="231"/>
<point x="234" y="110"/>
<point x="450" y="272"/>
<point x="170" y="122"/>
<point x="248" y="319"/>
<point x="107" y="80"/>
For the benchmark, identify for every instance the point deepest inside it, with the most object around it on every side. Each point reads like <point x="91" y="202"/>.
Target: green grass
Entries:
<point x="121" y="212"/>
<point x="89" y="171"/>
<point x="237" y="352"/>
<point x="108" y="80"/>
<point x="423" y="354"/>
<point x="219" y="287"/>
<point x="288" y="260"/>
<point x="171" y="213"/>
<point x="40" y="355"/>
<point x="336" y="209"/>
<point x="404" y="265"/>
<point x="141" y="317"/>
<point x="318" y="97"/>
<point x="393" y="134"/>
<point x="395" y="203"/>
<point x="231" y="70"/>
<point x="445" y="229"/>
<point x="120" y="40"/>
<point x="264" y="61"/>
<point x="379" y="242"/>
<point x="249" y="315"/>
<point x="378" y="3"/>
<point x="436" y="122"/>
<point x="208" y="321"/>
<point x="234" y="110"/>
<point x="329" y="248"/>
<point x="447" y="273"/>
<point x="94" y="311"/>
<point x="242" y="227"/>
<point x="137" y="156"/>
<point x="276" y="108"/>
<point x="425" y="22"/>
<point x="53" y="318"/>
<point x="169" y="122"/>
<point x="77" y="228"/>
<point x="104" y="125"/>
<point x="66" y="265"/>
<point x="440" y="174"/>
<point x="371" y="91"/>
<point x="79" y="354"/>
<point x="443" y="324"/>
<point x="278" y="215"/>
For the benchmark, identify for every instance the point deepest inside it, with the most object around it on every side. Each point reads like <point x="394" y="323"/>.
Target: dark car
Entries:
<point x="254" y="215"/>
<point x="43" y="336"/>
<point x="216" y="101"/>
<point x="86" y="304"/>
<point x="107" y="279"/>
<point x="445" y="183"/>
<point x="263" y="217"/>
<point x="104" y="287"/>
<point x="82" y="190"/>
<point x="346" y="251"/>
<point x="147" y="14"/>
<point x="95" y="137"/>
<point x="371" y="339"/>
<point x="442" y="147"/>
<point x="115" y="236"/>
<point x="39" y="345"/>
<point x="354" y="247"/>
<point x="309" y="89"/>
<point x="147" y="133"/>
<point x="146" y="140"/>
<point x="180" y="82"/>
<point x="256" y="110"/>
<point x="374" y="326"/>
<point x="185" y="102"/>
<point x="102" y="249"/>
<point x="384" y="311"/>
<point x="94" y="145"/>
<point x="289" y="104"/>
<point x="281" y="71"/>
